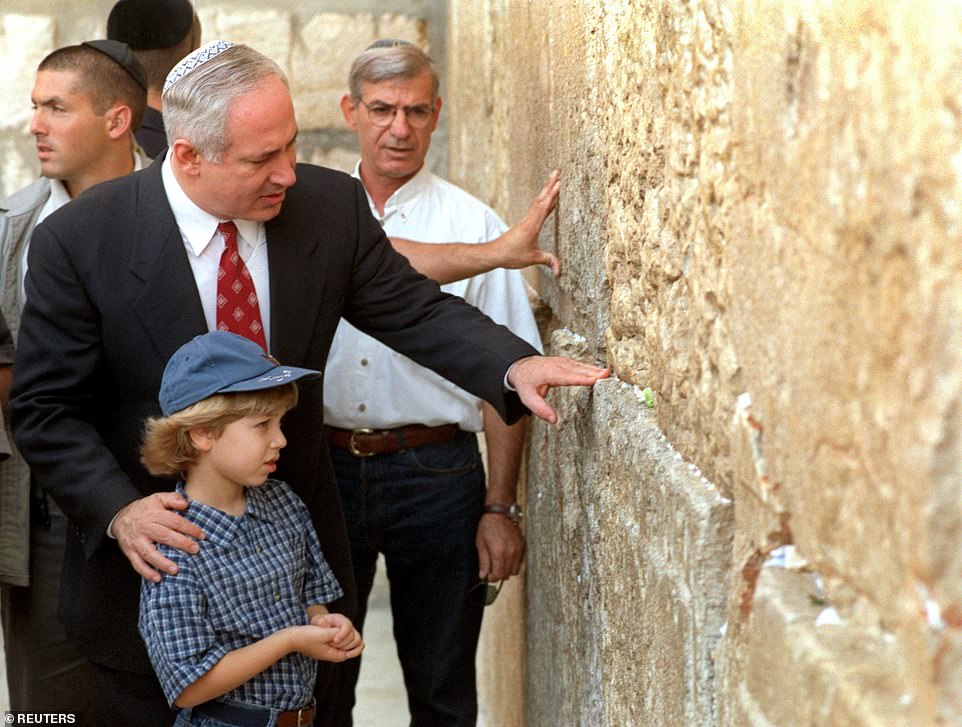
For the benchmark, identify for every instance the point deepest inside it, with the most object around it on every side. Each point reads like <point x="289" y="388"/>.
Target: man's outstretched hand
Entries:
<point x="518" y="247"/>
<point x="534" y="376"/>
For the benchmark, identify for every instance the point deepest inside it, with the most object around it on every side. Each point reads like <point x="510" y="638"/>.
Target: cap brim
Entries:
<point x="277" y="376"/>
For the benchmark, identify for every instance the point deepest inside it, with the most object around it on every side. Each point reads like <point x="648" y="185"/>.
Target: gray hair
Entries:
<point x="197" y="105"/>
<point x="386" y="60"/>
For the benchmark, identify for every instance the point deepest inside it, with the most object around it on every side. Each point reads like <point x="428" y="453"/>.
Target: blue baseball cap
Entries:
<point x="220" y="362"/>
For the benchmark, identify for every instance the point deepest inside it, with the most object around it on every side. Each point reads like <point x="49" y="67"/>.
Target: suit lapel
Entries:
<point x="169" y="305"/>
<point x="296" y="287"/>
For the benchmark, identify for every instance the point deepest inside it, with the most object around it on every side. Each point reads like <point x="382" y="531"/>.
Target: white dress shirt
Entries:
<point x="204" y="244"/>
<point x="367" y="384"/>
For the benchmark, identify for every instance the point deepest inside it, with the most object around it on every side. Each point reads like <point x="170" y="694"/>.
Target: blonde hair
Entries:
<point x="168" y="450"/>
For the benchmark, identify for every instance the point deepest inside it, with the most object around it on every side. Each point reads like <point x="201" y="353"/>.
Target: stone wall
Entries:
<point x="760" y="221"/>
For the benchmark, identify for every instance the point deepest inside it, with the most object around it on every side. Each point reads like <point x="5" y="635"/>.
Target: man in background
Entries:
<point x="403" y="439"/>
<point x="160" y="33"/>
<point x="87" y="101"/>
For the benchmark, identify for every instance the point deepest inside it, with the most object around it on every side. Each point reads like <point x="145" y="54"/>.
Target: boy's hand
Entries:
<point x="317" y="642"/>
<point x="346" y="637"/>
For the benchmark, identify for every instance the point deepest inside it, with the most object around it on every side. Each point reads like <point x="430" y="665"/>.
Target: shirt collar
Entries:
<point x="257" y="505"/>
<point x="220" y="527"/>
<point x="403" y="195"/>
<point x="196" y="225"/>
<point x="58" y="194"/>
<point x="56" y="199"/>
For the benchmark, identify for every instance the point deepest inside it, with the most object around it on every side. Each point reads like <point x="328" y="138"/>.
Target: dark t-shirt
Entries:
<point x="151" y="135"/>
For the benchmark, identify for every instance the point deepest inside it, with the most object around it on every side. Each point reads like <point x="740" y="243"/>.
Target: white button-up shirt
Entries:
<point x="367" y="384"/>
<point x="204" y="245"/>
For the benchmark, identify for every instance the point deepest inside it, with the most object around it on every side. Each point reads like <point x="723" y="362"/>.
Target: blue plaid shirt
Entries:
<point x="254" y="575"/>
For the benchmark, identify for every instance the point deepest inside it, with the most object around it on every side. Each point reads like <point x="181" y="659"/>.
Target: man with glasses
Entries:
<point x="402" y="438"/>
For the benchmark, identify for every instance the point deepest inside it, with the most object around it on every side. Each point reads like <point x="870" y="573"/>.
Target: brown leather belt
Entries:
<point x="252" y="716"/>
<point x="299" y="718"/>
<point x="368" y="442"/>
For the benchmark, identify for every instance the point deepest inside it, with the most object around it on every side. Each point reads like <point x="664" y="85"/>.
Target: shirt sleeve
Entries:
<point x="6" y="343"/>
<point x="180" y="639"/>
<point x="501" y="294"/>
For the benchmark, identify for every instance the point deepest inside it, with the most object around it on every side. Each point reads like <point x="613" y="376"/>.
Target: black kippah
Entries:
<point x="123" y="56"/>
<point x="150" y="24"/>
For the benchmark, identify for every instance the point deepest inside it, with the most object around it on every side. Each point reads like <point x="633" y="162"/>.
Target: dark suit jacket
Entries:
<point x="110" y="296"/>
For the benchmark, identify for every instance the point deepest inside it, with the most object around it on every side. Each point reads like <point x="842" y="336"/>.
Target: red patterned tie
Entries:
<point x="237" y="307"/>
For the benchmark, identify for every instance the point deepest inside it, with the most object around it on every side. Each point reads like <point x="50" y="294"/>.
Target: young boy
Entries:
<point x="234" y="634"/>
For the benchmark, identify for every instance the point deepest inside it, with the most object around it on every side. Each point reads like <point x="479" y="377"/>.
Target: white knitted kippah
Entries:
<point x="198" y="58"/>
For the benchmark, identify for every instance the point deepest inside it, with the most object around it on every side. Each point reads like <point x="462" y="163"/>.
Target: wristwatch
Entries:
<point x="513" y="512"/>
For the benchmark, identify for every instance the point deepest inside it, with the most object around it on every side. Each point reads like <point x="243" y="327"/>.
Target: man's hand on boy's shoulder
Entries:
<point x="143" y="523"/>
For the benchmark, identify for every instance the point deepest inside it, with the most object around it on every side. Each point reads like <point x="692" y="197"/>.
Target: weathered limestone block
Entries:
<point x="20" y="166"/>
<point x="804" y="667"/>
<point x="626" y="586"/>
<point x="327" y="44"/>
<point x="523" y="108"/>
<point x="404" y="27"/>
<point x="336" y="158"/>
<point x="266" y="30"/>
<point x="668" y="125"/>
<point x="24" y="41"/>
<point x="844" y="159"/>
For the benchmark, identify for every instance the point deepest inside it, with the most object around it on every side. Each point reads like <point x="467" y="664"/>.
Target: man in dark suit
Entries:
<point x="122" y="277"/>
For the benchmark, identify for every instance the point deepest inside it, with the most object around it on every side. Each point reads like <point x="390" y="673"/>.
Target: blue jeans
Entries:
<point x="239" y="715"/>
<point x="420" y="508"/>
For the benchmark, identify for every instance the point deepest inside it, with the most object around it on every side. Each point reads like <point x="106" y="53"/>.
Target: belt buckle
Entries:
<point x="307" y="714"/>
<point x="352" y="447"/>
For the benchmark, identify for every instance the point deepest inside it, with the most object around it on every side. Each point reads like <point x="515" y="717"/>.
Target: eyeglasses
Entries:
<point x="382" y="115"/>
<point x="485" y="593"/>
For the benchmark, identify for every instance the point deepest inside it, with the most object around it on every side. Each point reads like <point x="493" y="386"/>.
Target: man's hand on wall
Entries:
<point x="534" y="376"/>
<point x="518" y="247"/>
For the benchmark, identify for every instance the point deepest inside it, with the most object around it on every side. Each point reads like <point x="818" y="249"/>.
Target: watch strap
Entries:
<point x="511" y="511"/>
